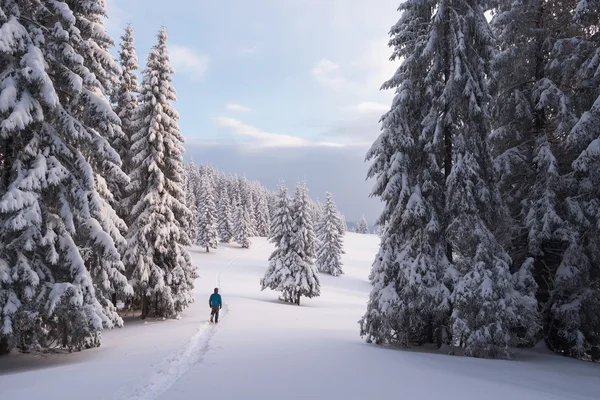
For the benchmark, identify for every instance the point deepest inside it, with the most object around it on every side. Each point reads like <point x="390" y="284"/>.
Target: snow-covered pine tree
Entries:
<point x="107" y="269"/>
<point x="243" y="221"/>
<point x="409" y="301"/>
<point x="265" y="214"/>
<point x="255" y="192"/>
<point x="316" y="211"/>
<point x="225" y="217"/>
<point x="250" y="204"/>
<point x="261" y="212"/>
<point x="125" y="99"/>
<point x="301" y="251"/>
<point x="343" y="226"/>
<point x="329" y="250"/>
<point x="576" y="288"/>
<point x="159" y="265"/>
<point x="234" y="191"/>
<point x="207" y="216"/>
<point x="272" y="204"/>
<point x="256" y="211"/>
<point x="247" y="201"/>
<point x="577" y="285"/>
<point x="58" y="256"/>
<point x="524" y="154"/>
<point x="279" y="276"/>
<point x="542" y="53"/>
<point x="460" y="47"/>
<point x="441" y="107"/>
<point x="362" y="227"/>
<point x="212" y="174"/>
<point x="236" y="199"/>
<point x="244" y="227"/>
<point x="191" y="185"/>
<point x="311" y="213"/>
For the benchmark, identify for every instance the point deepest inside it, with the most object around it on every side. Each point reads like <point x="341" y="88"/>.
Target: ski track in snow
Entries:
<point x="177" y="364"/>
<point x="169" y="370"/>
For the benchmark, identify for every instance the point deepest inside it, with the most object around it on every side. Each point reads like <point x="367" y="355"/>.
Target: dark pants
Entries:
<point x="215" y="313"/>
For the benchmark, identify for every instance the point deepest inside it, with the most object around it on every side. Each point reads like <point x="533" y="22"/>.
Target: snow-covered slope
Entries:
<point x="264" y="349"/>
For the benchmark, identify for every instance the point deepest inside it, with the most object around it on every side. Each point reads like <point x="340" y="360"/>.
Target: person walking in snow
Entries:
<point x="215" y="303"/>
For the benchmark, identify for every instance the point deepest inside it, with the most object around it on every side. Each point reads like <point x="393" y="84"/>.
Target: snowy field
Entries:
<point x="264" y="349"/>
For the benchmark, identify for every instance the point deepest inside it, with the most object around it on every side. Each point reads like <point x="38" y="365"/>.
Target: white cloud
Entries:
<point x="364" y="128"/>
<point x="248" y="50"/>
<point x="237" y="107"/>
<point x="367" y="107"/>
<point x="376" y="63"/>
<point x="360" y="78"/>
<point x="188" y="61"/>
<point x="326" y="73"/>
<point x="354" y="46"/>
<point x="263" y="138"/>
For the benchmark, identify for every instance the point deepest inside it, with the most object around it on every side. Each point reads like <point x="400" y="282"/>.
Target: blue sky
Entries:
<point x="260" y="79"/>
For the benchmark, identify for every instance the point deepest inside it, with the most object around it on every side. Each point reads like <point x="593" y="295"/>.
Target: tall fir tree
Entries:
<point x="460" y="47"/>
<point x="329" y="251"/>
<point x="343" y="226"/>
<point x="576" y="293"/>
<point x="272" y="204"/>
<point x="125" y="98"/>
<point x="191" y="184"/>
<point x="301" y="251"/>
<point x="409" y="300"/>
<point x="207" y="216"/>
<point x="307" y="221"/>
<point x="245" y="200"/>
<point x="362" y="227"/>
<point x="524" y="149"/>
<point x="58" y="232"/>
<point x="545" y="88"/>
<point x="225" y="217"/>
<point x="234" y="192"/>
<point x="316" y="212"/>
<point x="261" y="212"/>
<point x="106" y="268"/>
<point x="159" y="265"/>
<point x="243" y="226"/>
<point x="248" y="201"/>
<point x="447" y="50"/>
<point x="576" y="297"/>
<point x="279" y="276"/>
<point x="265" y="213"/>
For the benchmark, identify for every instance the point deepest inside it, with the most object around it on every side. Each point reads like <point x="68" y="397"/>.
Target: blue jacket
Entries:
<point x="215" y="300"/>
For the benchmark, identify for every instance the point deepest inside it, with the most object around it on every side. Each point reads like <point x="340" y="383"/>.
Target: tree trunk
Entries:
<point x="65" y="335"/>
<point x="4" y="348"/>
<point x="114" y="299"/>
<point x="447" y="162"/>
<point x="145" y="304"/>
<point x="6" y="161"/>
<point x="429" y="331"/>
<point x="6" y="170"/>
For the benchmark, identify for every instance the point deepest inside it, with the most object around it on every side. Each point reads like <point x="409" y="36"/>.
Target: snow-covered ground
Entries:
<point x="264" y="349"/>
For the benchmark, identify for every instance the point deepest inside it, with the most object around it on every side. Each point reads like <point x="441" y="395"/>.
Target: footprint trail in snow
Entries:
<point x="169" y="370"/>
